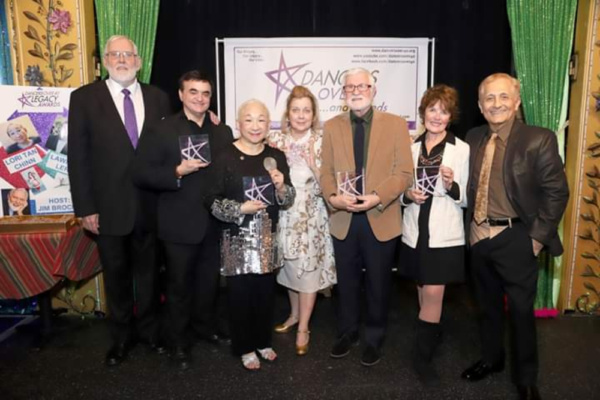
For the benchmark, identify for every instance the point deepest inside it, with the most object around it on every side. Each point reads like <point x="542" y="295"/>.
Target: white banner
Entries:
<point x="268" y="69"/>
<point x="33" y="148"/>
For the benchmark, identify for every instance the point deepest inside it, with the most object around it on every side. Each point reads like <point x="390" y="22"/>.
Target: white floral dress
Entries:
<point x="309" y="264"/>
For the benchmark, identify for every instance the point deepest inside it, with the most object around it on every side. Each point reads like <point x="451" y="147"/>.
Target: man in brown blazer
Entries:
<point x="364" y="225"/>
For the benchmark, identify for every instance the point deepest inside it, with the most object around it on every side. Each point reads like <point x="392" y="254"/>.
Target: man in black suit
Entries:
<point x="185" y="227"/>
<point x="517" y="194"/>
<point x="106" y="120"/>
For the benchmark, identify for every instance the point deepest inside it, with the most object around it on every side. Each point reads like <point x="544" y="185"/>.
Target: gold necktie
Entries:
<point x="481" y="199"/>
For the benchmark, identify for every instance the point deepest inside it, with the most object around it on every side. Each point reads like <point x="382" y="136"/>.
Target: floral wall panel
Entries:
<point x="53" y="42"/>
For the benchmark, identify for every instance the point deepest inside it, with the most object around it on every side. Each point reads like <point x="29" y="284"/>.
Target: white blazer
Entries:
<point x="446" y="226"/>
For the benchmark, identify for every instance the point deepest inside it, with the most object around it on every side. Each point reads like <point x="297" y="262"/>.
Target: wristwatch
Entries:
<point x="178" y="178"/>
<point x="379" y="206"/>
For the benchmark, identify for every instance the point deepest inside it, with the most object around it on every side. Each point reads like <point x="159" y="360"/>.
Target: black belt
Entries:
<point x="502" y="221"/>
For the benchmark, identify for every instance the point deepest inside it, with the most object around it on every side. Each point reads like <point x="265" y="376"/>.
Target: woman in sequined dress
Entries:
<point x="433" y="238"/>
<point x="309" y="265"/>
<point x="251" y="184"/>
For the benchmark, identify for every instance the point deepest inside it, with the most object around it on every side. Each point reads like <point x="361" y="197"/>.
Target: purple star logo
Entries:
<point x="24" y="101"/>
<point x="283" y="76"/>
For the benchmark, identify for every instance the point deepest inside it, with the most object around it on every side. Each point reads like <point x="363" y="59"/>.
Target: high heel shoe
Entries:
<point x="283" y="328"/>
<point x="302" y="349"/>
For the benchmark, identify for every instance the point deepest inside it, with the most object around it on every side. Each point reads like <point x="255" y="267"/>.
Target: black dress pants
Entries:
<point x="127" y="261"/>
<point x="204" y="316"/>
<point x="189" y="281"/>
<point x="506" y="265"/>
<point x="250" y="304"/>
<point x="361" y="249"/>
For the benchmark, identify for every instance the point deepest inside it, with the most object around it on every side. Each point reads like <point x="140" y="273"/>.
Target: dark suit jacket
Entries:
<point x="182" y="217"/>
<point x="52" y="144"/>
<point x="101" y="155"/>
<point x="534" y="180"/>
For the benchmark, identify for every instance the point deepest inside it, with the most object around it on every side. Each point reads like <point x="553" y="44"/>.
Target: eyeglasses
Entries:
<point x="115" y="55"/>
<point x="363" y="87"/>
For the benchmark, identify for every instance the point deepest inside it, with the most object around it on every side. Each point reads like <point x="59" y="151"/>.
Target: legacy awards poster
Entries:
<point x="33" y="151"/>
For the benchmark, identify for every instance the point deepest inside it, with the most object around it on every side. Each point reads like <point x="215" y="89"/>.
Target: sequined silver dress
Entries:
<point x="249" y="242"/>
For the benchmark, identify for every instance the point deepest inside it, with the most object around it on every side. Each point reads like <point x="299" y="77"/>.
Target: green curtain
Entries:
<point x="136" y="19"/>
<point x="6" y="77"/>
<point x="542" y="38"/>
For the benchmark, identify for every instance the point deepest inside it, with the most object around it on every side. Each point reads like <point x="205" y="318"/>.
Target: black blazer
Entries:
<point x="101" y="155"/>
<point x="182" y="217"/>
<point x="534" y="180"/>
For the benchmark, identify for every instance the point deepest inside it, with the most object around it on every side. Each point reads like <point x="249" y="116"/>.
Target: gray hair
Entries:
<point x="117" y="37"/>
<point x="357" y="71"/>
<point x="251" y="102"/>
<point x="15" y="190"/>
<point x="501" y="75"/>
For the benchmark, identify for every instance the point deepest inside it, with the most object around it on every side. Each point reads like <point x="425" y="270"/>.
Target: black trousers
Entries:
<point x="129" y="261"/>
<point x="190" y="281"/>
<point x="250" y="301"/>
<point x="506" y="265"/>
<point x="359" y="250"/>
<point x="205" y="318"/>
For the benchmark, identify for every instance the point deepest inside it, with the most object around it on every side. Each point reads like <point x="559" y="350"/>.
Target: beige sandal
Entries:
<point x="251" y="362"/>
<point x="267" y="354"/>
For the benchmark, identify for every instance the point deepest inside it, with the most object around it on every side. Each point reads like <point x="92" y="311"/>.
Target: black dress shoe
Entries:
<point x="528" y="392"/>
<point x="480" y="370"/>
<point x="223" y="338"/>
<point x="116" y="354"/>
<point x="181" y="357"/>
<point x="214" y="338"/>
<point x="157" y="346"/>
<point x="370" y="357"/>
<point x="342" y="346"/>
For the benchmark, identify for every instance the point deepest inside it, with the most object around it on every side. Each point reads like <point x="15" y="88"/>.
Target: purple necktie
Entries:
<point x="130" y="122"/>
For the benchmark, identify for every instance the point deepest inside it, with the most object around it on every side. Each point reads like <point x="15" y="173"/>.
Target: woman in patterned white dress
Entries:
<point x="309" y="264"/>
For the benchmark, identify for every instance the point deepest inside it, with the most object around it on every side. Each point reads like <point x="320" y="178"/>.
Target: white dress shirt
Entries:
<point x="136" y="96"/>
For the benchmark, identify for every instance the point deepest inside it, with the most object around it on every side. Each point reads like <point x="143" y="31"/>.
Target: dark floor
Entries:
<point x="72" y="366"/>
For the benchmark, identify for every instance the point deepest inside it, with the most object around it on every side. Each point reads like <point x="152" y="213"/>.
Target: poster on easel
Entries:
<point x="33" y="151"/>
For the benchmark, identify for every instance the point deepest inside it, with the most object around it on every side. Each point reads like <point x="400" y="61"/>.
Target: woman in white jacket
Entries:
<point x="433" y="236"/>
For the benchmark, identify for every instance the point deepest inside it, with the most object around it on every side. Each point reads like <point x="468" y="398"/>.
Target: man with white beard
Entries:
<point x="106" y="120"/>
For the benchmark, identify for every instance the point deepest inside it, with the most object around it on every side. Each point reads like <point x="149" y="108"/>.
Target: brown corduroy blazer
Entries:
<point x="389" y="170"/>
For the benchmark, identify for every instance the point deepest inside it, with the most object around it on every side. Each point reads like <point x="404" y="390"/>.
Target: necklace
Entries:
<point x="430" y="161"/>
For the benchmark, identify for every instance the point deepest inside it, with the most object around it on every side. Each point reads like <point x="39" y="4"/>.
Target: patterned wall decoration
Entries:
<point x="580" y="289"/>
<point x="53" y="42"/>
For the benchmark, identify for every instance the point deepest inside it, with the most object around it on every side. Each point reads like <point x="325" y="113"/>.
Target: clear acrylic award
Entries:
<point x="195" y="147"/>
<point x="350" y="183"/>
<point x="426" y="178"/>
<point x="259" y="188"/>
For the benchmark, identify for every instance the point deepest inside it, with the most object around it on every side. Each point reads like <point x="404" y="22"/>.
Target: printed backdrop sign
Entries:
<point x="33" y="152"/>
<point x="268" y="69"/>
